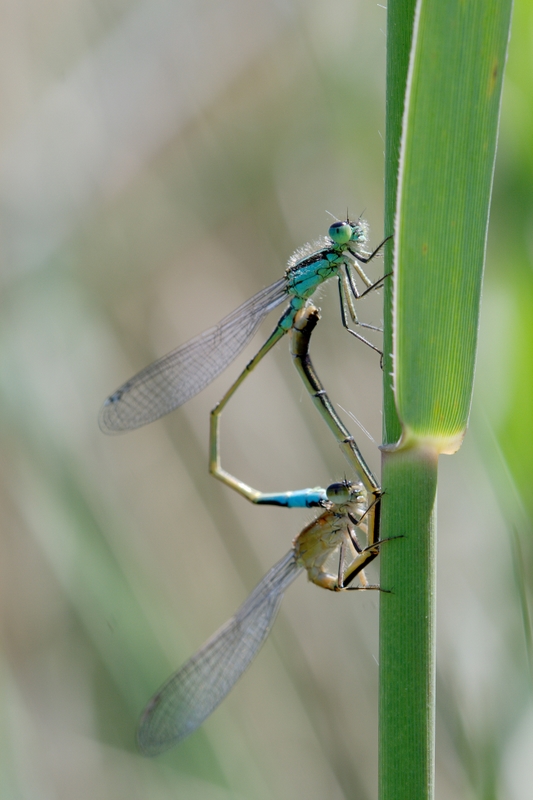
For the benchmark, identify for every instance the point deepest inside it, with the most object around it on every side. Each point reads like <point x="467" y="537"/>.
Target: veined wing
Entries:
<point x="197" y="688"/>
<point x="173" y="379"/>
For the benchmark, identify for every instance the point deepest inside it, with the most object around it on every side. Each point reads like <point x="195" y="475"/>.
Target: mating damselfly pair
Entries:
<point x="199" y="686"/>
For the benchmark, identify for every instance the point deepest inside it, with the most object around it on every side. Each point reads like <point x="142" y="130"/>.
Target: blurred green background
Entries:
<point x="160" y="161"/>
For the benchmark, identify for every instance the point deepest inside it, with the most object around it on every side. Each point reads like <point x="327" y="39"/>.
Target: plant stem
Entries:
<point x="437" y="205"/>
<point x="407" y="626"/>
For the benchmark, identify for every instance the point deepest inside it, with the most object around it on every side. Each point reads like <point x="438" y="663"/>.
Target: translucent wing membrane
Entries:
<point x="196" y="689"/>
<point x="175" y="378"/>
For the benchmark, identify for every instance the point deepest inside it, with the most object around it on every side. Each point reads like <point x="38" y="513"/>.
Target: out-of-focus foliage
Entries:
<point x="160" y="161"/>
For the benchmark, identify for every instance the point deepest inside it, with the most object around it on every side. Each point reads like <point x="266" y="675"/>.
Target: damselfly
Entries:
<point x="175" y="378"/>
<point x="198" y="687"/>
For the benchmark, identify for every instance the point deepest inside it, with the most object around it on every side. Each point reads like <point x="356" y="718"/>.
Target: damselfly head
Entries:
<point x="345" y="492"/>
<point x="342" y="233"/>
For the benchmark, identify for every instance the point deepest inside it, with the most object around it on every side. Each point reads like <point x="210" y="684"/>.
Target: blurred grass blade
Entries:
<point x="446" y="168"/>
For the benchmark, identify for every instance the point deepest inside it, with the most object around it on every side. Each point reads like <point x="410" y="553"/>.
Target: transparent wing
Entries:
<point x="175" y="378"/>
<point x="197" y="688"/>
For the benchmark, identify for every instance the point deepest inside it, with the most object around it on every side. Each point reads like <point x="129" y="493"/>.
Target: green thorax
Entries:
<point x="315" y="263"/>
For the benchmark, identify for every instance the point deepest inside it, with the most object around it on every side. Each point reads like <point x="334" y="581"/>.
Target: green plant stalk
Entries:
<point x="403" y="759"/>
<point x="440" y="159"/>
<point x="407" y="633"/>
<point x="407" y="661"/>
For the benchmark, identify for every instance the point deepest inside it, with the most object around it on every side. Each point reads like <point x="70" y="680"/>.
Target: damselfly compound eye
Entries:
<point x="340" y="232"/>
<point x="339" y="492"/>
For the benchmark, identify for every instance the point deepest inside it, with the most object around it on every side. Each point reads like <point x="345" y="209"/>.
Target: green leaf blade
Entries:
<point x="446" y="168"/>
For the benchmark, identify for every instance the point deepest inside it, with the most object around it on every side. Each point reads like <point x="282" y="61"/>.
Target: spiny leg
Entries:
<point x="373" y="254"/>
<point x="346" y="299"/>
<point x="364" y="555"/>
<point x="349" y="292"/>
<point x="353" y="290"/>
<point x="340" y="581"/>
<point x="356" y="265"/>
